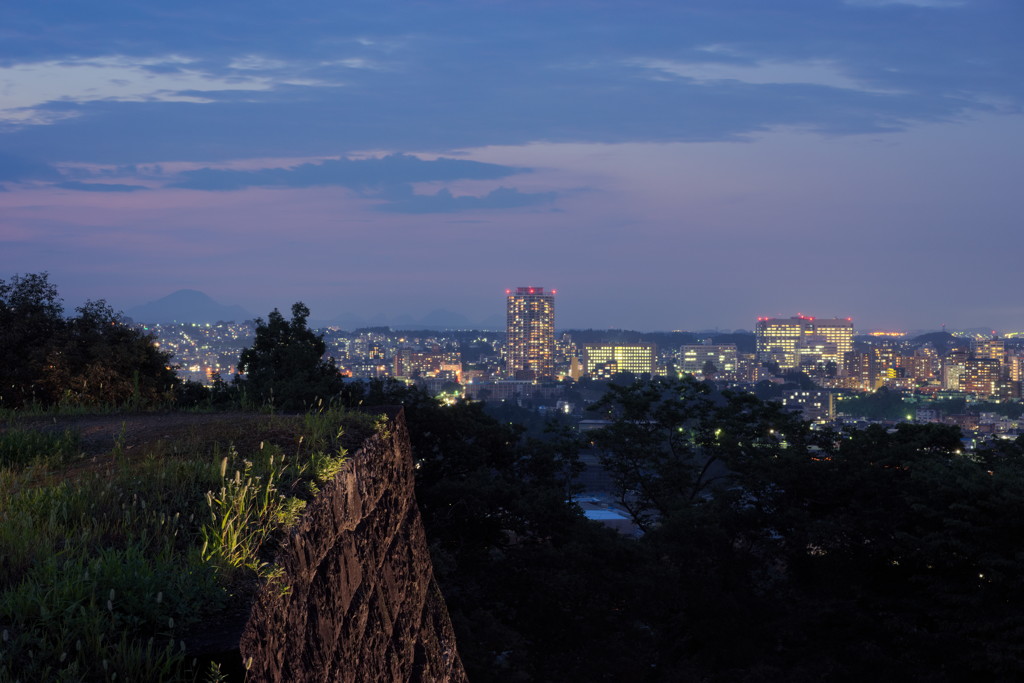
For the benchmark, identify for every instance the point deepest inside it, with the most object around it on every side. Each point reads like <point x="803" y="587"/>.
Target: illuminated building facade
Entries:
<point x="804" y="341"/>
<point x="435" y="363"/>
<point x="636" y="358"/>
<point x="696" y="356"/>
<point x="952" y="372"/>
<point x="860" y="370"/>
<point x="531" y="333"/>
<point x="992" y="349"/>
<point x="816" y="406"/>
<point x="1015" y="367"/>
<point x="777" y="339"/>
<point x="980" y="376"/>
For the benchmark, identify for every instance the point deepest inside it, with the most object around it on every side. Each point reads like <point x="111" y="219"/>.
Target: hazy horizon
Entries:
<point x="406" y="319"/>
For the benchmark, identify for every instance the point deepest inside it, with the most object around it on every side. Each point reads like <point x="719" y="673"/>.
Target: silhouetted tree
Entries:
<point x="897" y="551"/>
<point x="31" y="316"/>
<point x="671" y="439"/>
<point x="285" y="367"/>
<point x="98" y="358"/>
<point x="94" y="357"/>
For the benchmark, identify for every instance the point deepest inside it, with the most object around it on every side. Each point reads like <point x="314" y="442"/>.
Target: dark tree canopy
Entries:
<point x="820" y="556"/>
<point x="671" y="439"/>
<point x="285" y="367"/>
<point x="94" y="357"/>
<point x="771" y="551"/>
<point x="103" y="360"/>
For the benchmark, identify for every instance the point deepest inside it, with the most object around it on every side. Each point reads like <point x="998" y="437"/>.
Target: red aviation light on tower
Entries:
<point x="508" y="291"/>
<point x="555" y="291"/>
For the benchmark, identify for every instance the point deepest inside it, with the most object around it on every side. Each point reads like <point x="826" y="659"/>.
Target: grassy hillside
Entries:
<point x="122" y="534"/>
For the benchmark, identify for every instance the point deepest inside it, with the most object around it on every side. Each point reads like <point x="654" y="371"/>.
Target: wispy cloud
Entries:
<point x="821" y="72"/>
<point x="355" y="63"/>
<point x="27" y="88"/>
<point x="256" y="63"/>
<point x="389" y="178"/>
<point x="374" y="172"/>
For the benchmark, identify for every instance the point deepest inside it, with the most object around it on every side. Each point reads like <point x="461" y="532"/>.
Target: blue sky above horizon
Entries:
<point x="666" y="165"/>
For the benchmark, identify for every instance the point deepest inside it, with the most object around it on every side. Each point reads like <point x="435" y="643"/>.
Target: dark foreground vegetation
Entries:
<point x="113" y="561"/>
<point x="769" y="551"/>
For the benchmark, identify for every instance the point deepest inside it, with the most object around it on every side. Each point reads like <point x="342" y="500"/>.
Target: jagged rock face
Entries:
<point x="361" y="602"/>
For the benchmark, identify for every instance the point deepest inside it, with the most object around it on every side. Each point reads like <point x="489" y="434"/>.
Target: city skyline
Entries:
<point x="530" y="361"/>
<point x="693" y="165"/>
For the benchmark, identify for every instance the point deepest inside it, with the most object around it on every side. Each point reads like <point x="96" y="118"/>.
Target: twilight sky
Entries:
<point x="683" y="164"/>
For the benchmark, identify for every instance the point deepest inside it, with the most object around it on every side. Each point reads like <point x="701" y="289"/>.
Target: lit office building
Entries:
<point x="777" y="339"/>
<point x="695" y="358"/>
<point x="837" y="333"/>
<point x="804" y="341"/>
<point x="636" y="358"/>
<point x="531" y="333"/>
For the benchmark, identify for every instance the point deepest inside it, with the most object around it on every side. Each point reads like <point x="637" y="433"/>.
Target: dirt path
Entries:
<point x="100" y="433"/>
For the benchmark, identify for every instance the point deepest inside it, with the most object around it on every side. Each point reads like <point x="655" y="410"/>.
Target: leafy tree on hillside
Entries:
<point x="31" y="316"/>
<point x="94" y="357"/>
<point x="285" y="366"/>
<point x="100" y="359"/>
<point x="899" y="546"/>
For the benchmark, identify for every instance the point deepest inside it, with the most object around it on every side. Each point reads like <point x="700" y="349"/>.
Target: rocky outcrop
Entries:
<point x="357" y="601"/>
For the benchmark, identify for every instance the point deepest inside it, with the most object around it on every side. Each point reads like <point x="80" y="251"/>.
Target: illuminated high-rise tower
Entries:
<point x="531" y="333"/>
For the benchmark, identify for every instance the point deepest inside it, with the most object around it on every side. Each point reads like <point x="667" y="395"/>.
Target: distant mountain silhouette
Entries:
<point x="187" y="306"/>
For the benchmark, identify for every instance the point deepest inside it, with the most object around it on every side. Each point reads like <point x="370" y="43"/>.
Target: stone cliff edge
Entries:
<point x="357" y="600"/>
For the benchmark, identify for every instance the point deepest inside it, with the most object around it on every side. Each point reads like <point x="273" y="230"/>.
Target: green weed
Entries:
<point x="22" y="447"/>
<point x="102" y="574"/>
